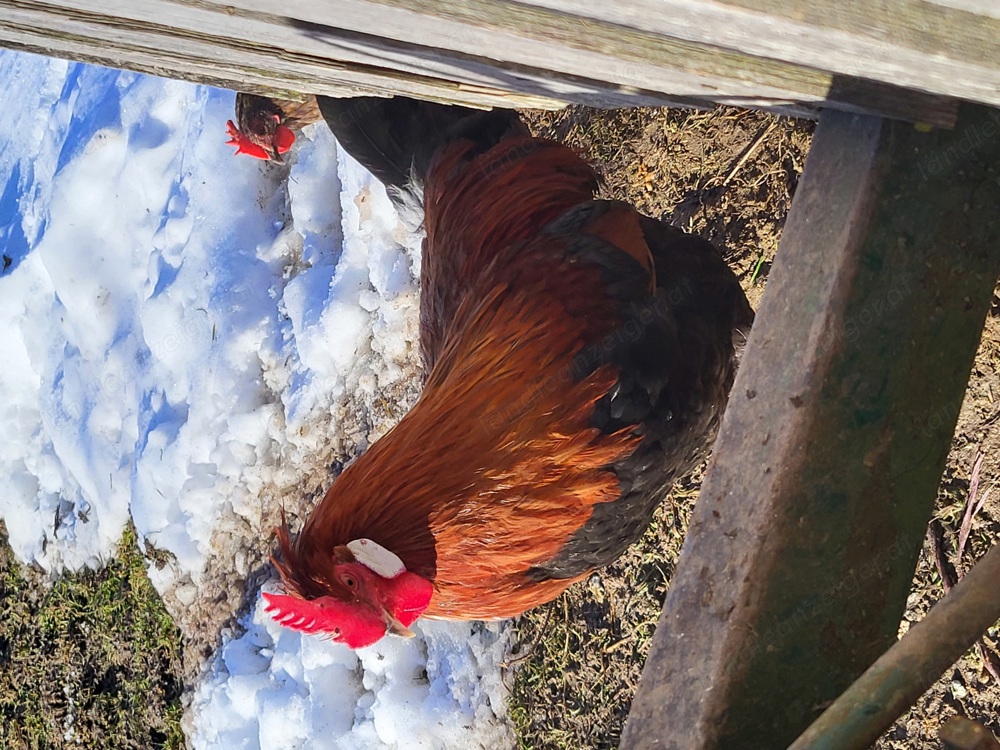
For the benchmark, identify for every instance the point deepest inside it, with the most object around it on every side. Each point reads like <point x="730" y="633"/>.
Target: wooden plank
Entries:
<point x="123" y="40"/>
<point x="486" y="53"/>
<point x="937" y="32"/>
<point x="938" y="48"/>
<point x="522" y="34"/>
<point x="231" y="27"/>
<point x="136" y="42"/>
<point x="801" y="549"/>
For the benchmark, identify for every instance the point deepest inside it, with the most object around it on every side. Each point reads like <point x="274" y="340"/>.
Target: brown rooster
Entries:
<point x="265" y="128"/>
<point x="578" y="354"/>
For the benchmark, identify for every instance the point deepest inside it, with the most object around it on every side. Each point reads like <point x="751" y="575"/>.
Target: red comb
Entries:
<point x="342" y="621"/>
<point x="243" y="144"/>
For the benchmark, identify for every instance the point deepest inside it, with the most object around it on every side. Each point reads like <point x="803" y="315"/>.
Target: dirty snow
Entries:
<point x="186" y="336"/>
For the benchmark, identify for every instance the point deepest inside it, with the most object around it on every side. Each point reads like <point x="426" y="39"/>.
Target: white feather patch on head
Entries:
<point x="376" y="558"/>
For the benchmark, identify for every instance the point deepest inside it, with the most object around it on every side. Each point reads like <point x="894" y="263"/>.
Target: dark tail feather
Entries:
<point x="697" y="280"/>
<point x="392" y="137"/>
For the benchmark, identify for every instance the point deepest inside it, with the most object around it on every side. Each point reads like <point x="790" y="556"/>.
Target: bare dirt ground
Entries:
<point x="729" y="176"/>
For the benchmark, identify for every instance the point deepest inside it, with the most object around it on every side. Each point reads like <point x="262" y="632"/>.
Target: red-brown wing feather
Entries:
<point x="478" y="205"/>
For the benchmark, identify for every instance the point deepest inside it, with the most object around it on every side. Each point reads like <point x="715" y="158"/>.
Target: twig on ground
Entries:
<point x="990" y="659"/>
<point x="972" y="507"/>
<point x="935" y="535"/>
<point x="949" y="577"/>
<point x="749" y="151"/>
<point x="529" y="652"/>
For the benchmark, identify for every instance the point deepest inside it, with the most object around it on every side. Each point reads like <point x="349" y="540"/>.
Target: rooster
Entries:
<point x="265" y="128"/>
<point x="578" y="358"/>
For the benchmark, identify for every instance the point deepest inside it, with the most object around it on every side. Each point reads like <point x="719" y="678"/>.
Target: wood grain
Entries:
<point x="541" y="53"/>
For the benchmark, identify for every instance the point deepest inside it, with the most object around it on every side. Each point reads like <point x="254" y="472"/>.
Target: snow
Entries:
<point x="189" y="341"/>
<point x="275" y="688"/>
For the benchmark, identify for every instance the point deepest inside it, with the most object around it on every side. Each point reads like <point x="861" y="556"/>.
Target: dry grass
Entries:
<point x="581" y="656"/>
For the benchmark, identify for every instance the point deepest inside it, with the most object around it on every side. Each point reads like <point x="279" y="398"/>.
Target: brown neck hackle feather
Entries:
<point x="477" y="206"/>
<point x="497" y="464"/>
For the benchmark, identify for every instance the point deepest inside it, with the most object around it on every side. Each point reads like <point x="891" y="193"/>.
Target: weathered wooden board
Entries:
<point x="798" y="561"/>
<point x="519" y="35"/>
<point x="250" y="62"/>
<point x="950" y="48"/>
<point x="481" y="52"/>
<point x="223" y="41"/>
<point x="566" y="41"/>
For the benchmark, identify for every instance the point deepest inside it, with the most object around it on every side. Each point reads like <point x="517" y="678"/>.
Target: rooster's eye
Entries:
<point x="349" y="582"/>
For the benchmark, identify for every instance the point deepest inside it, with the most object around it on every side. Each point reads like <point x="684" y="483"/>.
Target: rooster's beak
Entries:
<point x="394" y="626"/>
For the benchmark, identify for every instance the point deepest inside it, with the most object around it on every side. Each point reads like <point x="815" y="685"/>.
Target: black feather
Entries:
<point x="396" y="137"/>
<point x="677" y="357"/>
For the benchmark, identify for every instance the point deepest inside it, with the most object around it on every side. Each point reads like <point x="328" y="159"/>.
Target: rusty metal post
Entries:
<point x="802" y="546"/>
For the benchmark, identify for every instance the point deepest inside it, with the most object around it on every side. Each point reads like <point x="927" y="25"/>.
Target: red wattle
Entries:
<point x="283" y="139"/>
<point x="410" y="596"/>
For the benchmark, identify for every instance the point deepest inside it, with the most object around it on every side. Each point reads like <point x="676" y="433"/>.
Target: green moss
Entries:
<point x="91" y="660"/>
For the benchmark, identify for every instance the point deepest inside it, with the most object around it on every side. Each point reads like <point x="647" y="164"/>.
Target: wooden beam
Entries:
<point x="524" y="34"/>
<point x="796" y="568"/>
<point x="248" y="60"/>
<point x="944" y="48"/>
<point x="479" y="52"/>
<point x="518" y="34"/>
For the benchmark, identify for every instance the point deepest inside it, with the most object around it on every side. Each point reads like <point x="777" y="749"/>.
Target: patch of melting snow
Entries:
<point x="193" y="342"/>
